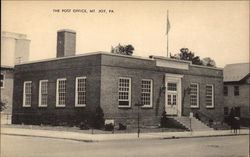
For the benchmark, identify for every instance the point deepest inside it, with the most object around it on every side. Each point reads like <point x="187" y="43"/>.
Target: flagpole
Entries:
<point x="167" y="33"/>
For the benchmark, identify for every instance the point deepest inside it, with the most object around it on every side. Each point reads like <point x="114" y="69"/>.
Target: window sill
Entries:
<point x="77" y="106"/>
<point x="210" y="107"/>
<point x="26" y="106"/>
<point x="147" y="107"/>
<point x="42" y="106"/>
<point x="124" y="107"/>
<point x="60" y="106"/>
<point x="194" y="107"/>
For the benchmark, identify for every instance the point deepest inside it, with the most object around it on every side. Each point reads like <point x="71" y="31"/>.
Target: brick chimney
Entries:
<point x="66" y="43"/>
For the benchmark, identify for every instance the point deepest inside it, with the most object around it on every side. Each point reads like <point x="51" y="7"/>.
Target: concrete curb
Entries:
<point x="82" y="137"/>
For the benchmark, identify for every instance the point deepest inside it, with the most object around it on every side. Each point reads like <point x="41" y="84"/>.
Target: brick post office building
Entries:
<point x="70" y="87"/>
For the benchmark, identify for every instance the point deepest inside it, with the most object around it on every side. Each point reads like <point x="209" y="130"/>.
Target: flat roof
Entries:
<point x="150" y="58"/>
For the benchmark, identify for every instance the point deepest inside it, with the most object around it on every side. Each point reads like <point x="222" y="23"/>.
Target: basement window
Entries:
<point x="124" y="92"/>
<point x="27" y="92"/>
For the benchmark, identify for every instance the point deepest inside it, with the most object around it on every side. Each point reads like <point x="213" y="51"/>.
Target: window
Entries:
<point x="2" y="80"/>
<point x="80" y="98"/>
<point x="194" y="95"/>
<point x="61" y="92"/>
<point x="43" y="93"/>
<point x="226" y="111"/>
<point x="209" y="96"/>
<point x="236" y="90"/>
<point x="27" y="85"/>
<point x="146" y="93"/>
<point x="124" y="90"/>
<point x="172" y="87"/>
<point x="225" y="91"/>
<point x="172" y="93"/>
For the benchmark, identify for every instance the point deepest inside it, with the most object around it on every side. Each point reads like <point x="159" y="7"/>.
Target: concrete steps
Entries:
<point x="192" y="124"/>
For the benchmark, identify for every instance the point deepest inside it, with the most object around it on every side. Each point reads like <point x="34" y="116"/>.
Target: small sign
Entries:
<point x="110" y="121"/>
<point x="191" y="115"/>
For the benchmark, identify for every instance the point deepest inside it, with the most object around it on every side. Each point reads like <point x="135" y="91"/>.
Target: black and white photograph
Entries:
<point x="125" y="78"/>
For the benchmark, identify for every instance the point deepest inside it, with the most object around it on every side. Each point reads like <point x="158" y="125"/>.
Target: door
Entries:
<point x="172" y="106"/>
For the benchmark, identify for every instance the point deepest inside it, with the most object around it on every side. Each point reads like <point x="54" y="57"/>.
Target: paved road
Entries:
<point x="228" y="146"/>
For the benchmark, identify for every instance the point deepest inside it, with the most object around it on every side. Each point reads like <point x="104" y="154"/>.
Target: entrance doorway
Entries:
<point x="173" y="104"/>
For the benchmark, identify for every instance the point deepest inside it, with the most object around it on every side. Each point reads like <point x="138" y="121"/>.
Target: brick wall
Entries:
<point x="114" y="67"/>
<point x="103" y="72"/>
<point x="51" y="71"/>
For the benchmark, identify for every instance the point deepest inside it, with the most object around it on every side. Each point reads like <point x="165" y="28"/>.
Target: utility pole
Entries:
<point x="138" y="119"/>
<point x="167" y="31"/>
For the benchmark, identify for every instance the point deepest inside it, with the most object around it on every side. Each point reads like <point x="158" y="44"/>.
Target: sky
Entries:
<point x="219" y="30"/>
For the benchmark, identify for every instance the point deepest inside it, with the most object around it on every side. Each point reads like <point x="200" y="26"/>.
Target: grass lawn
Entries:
<point x="92" y="131"/>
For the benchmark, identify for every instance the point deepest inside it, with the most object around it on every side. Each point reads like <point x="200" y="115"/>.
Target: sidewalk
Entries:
<point x="110" y="137"/>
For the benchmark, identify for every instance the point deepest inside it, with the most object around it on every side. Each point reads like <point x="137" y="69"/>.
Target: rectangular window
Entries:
<point x="43" y="93"/>
<point x="124" y="92"/>
<point x="146" y="93"/>
<point x="2" y="80"/>
<point x="209" y="96"/>
<point x="226" y="111"/>
<point x="236" y="90"/>
<point x="225" y="91"/>
<point x="80" y="98"/>
<point x="27" y="86"/>
<point x="172" y="87"/>
<point x="194" y="95"/>
<point x="61" y="92"/>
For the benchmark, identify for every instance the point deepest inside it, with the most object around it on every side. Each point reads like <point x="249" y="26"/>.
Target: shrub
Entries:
<point x="122" y="127"/>
<point x="164" y="119"/>
<point x="109" y="127"/>
<point x="99" y="118"/>
<point x="84" y="125"/>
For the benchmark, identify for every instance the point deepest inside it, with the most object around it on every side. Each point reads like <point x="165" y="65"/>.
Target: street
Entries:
<point x="226" y="146"/>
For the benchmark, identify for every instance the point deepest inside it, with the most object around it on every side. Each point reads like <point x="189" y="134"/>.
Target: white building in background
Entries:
<point x="15" y="49"/>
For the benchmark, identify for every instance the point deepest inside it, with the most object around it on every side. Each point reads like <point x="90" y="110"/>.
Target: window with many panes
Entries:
<point x="27" y="92"/>
<point x="172" y="87"/>
<point x="225" y="90"/>
<point x="124" y="92"/>
<point x="2" y="80"/>
<point x="194" y="95"/>
<point x="146" y="92"/>
<point x="43" y="93"/>
<point x="236" y="90"/>
<point x="80" y="99"/>
<point x="61" y="92"/>
<point x="226" y="111"/>
<point x="209" y="96"/>
<point x="172" y="93"/>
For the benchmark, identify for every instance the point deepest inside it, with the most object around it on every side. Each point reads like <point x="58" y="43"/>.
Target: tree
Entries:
<point x="3" y="105"/>
<point x="123" y="49"/>
<point x="208" y="62"/>
<point x="99" y="118"/>
<point x="187" y="55"/>
<point x="164" y="119"/>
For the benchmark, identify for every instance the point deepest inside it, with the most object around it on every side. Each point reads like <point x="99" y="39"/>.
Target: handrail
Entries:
<point x="205" y="115"/>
